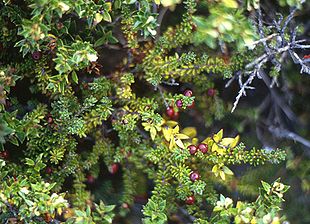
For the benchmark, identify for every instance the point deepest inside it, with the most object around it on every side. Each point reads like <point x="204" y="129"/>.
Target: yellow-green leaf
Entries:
<point x="167" y="132"/>
<point x="153" y="133"/>
<point x="222" y="175"/>
<point x="227" y="170"/>
<point x="168" y="3"/>
<point x="230" y="142"/>
<point x="146" y="126"/>
<point x="195" y="141"/>
<point x="230" y="3"/>
<point x="171" y="123"/>
<point x="176" y="129"/>
<point x="172" y="143"/>
<point x="98" y="18"/>
<point x="218" y="136"/>
<point x="235" y="142"/>
<point x="190" y="131"/>
<point x="180" y="143"/>
<point x="182" y="136"/>
<point x="227" y="141"/>
<point x="214" y="169"/>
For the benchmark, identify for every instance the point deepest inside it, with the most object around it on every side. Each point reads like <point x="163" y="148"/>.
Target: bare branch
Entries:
<point x="243" y="87"/>
<point x="283" y="133"/>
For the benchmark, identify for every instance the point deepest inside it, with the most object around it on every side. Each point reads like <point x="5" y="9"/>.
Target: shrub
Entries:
<point x="104" y="101"/>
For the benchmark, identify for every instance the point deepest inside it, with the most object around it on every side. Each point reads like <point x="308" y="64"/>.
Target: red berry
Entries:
<point x="211" y="92"/>
<point x="192" y="105"/>
<point x="307" y="56"/>
<point x="90" y="179"/>
<point x="194" y="176"/>
<point x="194" y="27"/>
<point x="125" y="205"/>
<point x="175" y="116"/>
<point x="203" y="148"/>
<point x="190" y="200"/>
<point x="188" y="93"/>
<point x="59" y="26"/>
<point x="192" y="149"/>
<point x="48" y="170"/>
<point x="179" y="103"/>
<point x="37" y="55"/>
<point x="113" y="168"/>
<point x="5" y="154"/>
<point x="49" y="120"/>
<point x="170" y="112"/>
<point x="47" y="217"/>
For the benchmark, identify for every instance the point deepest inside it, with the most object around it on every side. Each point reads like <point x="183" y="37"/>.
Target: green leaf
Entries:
<point x="75" y="77"/>
<point x="106" y="16"/>
<point x="79" y="213"/>
<point x="29" y="162"/>
<point x="100" y="42"/>
<point x="13" y="139"/>
<point x="227" y="170"/>
<point x="266" y="186"/>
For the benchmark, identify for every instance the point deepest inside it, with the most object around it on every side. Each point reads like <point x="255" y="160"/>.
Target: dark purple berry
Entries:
<point x="188" y="93"/>
<point x="37" y="55"/>
<point x="203" y="148"/>
<point x="194" y="176"/>
<point x="48" y="170"/>
<point x="90" y="179"/>
<point x="192" y="149"/>
<point x="211" y="92"/>
<point x="179" y="103"/>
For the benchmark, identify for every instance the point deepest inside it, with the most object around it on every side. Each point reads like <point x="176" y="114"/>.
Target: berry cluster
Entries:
<point x="201" y="147"/>
<point x="174" y="115"/>
<point x="194" y="176"/>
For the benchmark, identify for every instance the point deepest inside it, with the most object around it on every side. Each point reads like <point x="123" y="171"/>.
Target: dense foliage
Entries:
<point x="108" y="105"/>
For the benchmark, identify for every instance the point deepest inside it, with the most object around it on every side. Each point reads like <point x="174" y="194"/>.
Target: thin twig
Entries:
<point x="162" y="95"/>
<point x="283" y="133"/>
<point x="253" y="44"/>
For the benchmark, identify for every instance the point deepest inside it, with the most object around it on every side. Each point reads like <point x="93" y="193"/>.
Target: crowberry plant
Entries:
<point x="106" y="106"/>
